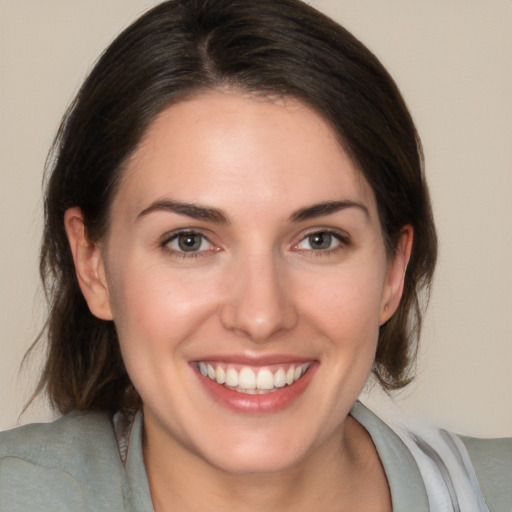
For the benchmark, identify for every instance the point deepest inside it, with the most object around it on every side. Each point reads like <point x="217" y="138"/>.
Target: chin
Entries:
<point x="263" y="445"/>
<point x="256" y="458"/>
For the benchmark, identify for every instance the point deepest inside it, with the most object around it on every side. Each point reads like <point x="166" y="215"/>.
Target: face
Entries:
<point x="246" y="274"/>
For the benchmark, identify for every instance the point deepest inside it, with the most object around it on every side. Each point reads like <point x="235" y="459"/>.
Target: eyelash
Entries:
<point x="341" y="238"/>
<point x="186" y="254"/>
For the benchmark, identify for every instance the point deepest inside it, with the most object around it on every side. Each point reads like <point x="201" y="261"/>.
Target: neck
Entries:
<point x="336" y="476"/>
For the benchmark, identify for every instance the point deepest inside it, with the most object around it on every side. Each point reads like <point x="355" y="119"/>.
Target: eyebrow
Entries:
<point x="219" y="217"/>
<point x="189" y="209"/>
<point x="327" y="208"/>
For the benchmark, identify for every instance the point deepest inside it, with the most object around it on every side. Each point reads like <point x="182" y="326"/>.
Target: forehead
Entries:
<point x="217" y="147"/>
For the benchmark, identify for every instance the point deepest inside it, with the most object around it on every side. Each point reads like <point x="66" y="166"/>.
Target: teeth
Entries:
<point x="232" y="377"/>
<point x="246" y="378"/>
<point x="247" y="381"/>
<point x="220" y="375"/>
<point x="265" y="379"/>
<point x="203" y="369"/>
<point x="279" y="378"/>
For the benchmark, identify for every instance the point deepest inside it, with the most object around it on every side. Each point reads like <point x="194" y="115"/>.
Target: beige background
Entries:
<point x="453" y="62"/>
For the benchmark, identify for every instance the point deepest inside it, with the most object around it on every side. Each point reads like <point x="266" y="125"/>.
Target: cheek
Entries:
<point x="156" y="313"/>
<point x="154" y="305"/>
<point x="347" y="299"/>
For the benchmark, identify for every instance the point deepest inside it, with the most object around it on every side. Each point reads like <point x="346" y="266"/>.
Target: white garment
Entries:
<point x="443" y="461"/>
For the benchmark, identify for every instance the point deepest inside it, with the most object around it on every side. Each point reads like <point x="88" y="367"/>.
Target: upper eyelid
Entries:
<point x="171" y="235"/>
<point x="340" y="234"/>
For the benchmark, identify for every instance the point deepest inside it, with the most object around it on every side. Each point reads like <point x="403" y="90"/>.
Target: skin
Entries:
<point x="257" y="286"/>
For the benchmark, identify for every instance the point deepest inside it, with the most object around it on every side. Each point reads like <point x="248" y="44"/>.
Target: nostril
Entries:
<point x="256" y="323"/>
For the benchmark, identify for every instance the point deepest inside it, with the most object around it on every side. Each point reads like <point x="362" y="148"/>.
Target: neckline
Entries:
<point x="403" y="475"/>
<point x="404" y="478"/>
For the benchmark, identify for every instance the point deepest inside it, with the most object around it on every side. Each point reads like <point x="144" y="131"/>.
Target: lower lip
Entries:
<point x="257" y="404"/>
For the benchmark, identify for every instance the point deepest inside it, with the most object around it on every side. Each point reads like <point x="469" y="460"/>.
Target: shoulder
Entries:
<point x="68" y="464"/>
<point x="492" y="461"/>
<point x="74" y="440"/>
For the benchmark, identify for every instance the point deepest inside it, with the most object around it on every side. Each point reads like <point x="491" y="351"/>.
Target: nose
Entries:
<point x="258" y="302"/>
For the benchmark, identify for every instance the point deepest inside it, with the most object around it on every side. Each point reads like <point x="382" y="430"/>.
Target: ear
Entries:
<point x="89" y="265"/>
<point x="395" y="277"/>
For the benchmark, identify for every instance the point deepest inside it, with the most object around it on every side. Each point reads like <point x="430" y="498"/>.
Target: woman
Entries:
<point x="237" y="233"/>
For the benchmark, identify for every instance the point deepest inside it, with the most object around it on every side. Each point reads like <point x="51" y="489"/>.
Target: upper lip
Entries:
<point x="249" y="359"/>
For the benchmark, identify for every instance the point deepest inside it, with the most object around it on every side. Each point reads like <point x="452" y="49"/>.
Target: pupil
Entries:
<point x="189" y="242"/>
<point x="321" y="241"/>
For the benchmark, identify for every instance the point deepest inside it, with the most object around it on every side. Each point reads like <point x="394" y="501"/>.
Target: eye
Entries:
<point x="188" y="242"/>
<point x="322" y="241"/>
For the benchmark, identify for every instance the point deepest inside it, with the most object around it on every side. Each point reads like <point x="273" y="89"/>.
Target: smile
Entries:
<point x="251" y="381"/>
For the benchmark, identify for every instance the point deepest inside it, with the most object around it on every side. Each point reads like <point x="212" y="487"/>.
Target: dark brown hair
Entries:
<point x="183" y="47"/>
